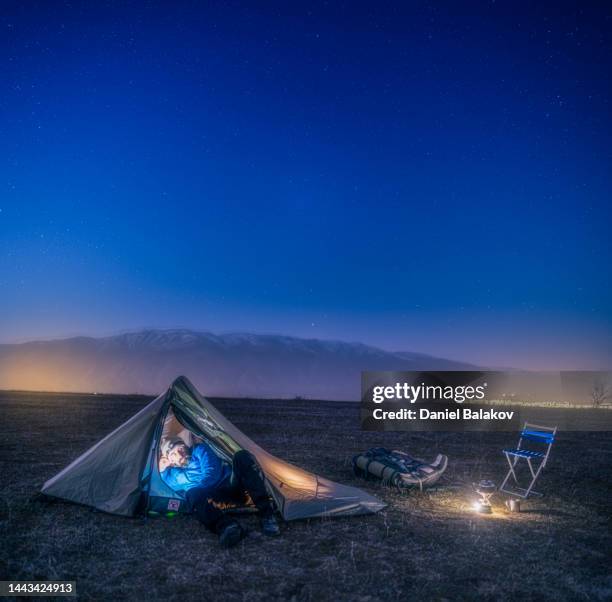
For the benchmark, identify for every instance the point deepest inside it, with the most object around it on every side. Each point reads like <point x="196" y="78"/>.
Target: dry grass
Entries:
<point x="427" y="546"/>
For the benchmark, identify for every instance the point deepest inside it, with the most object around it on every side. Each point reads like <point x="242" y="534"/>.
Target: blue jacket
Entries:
<point x="205" y="469"/>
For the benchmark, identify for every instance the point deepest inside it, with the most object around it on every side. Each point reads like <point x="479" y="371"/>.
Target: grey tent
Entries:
<point x="119" y="474"/>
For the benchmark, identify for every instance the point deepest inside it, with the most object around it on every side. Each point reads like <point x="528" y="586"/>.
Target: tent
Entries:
<point x="119" y="474"/>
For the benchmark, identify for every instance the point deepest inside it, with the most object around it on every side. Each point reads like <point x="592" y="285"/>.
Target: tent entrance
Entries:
<point x="162" y="499"/>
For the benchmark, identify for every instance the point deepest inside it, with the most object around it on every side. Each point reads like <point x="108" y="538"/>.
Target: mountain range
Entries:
<point x="230" y="365"/>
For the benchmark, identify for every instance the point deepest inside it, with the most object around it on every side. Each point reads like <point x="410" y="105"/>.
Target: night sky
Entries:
<point x="414" y="176"/>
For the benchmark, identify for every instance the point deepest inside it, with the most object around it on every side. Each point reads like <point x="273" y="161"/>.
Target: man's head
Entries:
<point x="176" y="452"/>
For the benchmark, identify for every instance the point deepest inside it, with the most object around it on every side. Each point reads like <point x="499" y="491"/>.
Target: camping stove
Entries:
<point x="485" y="489"/>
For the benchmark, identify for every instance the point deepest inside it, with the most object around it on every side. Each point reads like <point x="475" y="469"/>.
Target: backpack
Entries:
<point x="397" y="468"/>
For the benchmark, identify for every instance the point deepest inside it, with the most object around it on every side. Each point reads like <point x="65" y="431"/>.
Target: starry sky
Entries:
<point x="425" y="177"/>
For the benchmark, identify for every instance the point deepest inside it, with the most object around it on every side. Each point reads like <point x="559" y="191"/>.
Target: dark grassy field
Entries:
<point x="424" y="546"/>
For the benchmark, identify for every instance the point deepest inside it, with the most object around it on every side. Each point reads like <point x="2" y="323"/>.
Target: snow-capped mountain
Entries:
<point x="245" y="365"/>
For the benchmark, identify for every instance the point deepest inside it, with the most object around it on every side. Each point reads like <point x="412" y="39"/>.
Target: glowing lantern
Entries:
<point x="485" y="489"/>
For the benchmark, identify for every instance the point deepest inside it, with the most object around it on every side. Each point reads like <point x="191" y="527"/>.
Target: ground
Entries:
<point x="428" y="546"/>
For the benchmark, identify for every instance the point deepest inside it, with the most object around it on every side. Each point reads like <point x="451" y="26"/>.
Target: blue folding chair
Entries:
<point x="536" y="459"/>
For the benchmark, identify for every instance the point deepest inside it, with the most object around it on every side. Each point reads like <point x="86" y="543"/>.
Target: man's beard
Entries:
<point x="185" y="460"/>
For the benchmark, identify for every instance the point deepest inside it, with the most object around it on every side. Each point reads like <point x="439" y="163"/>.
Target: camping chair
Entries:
<point x="542" y="435"/>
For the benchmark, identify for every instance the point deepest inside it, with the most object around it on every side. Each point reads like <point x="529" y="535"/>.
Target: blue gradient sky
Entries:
<point x="411" y="176"/>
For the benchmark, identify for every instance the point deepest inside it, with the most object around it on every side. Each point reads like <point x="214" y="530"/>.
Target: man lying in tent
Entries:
<point x="205" y="479"/>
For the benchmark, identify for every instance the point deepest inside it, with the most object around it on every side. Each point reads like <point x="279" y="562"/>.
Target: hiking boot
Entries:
<point x="269" y="526"/>
<point x="231" y="535"/>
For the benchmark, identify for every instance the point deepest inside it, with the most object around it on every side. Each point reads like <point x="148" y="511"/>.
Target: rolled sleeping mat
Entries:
<point x="387" y="474"/>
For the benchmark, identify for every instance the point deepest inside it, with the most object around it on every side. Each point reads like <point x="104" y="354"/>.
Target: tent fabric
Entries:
<point x="109" y="475"/>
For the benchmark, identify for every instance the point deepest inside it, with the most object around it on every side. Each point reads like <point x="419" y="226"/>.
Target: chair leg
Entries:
<point x="521" y="491"/>
<point x="517" y="490"/>
<point x="533" y="480"/>
<point x="512" y="464"/>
